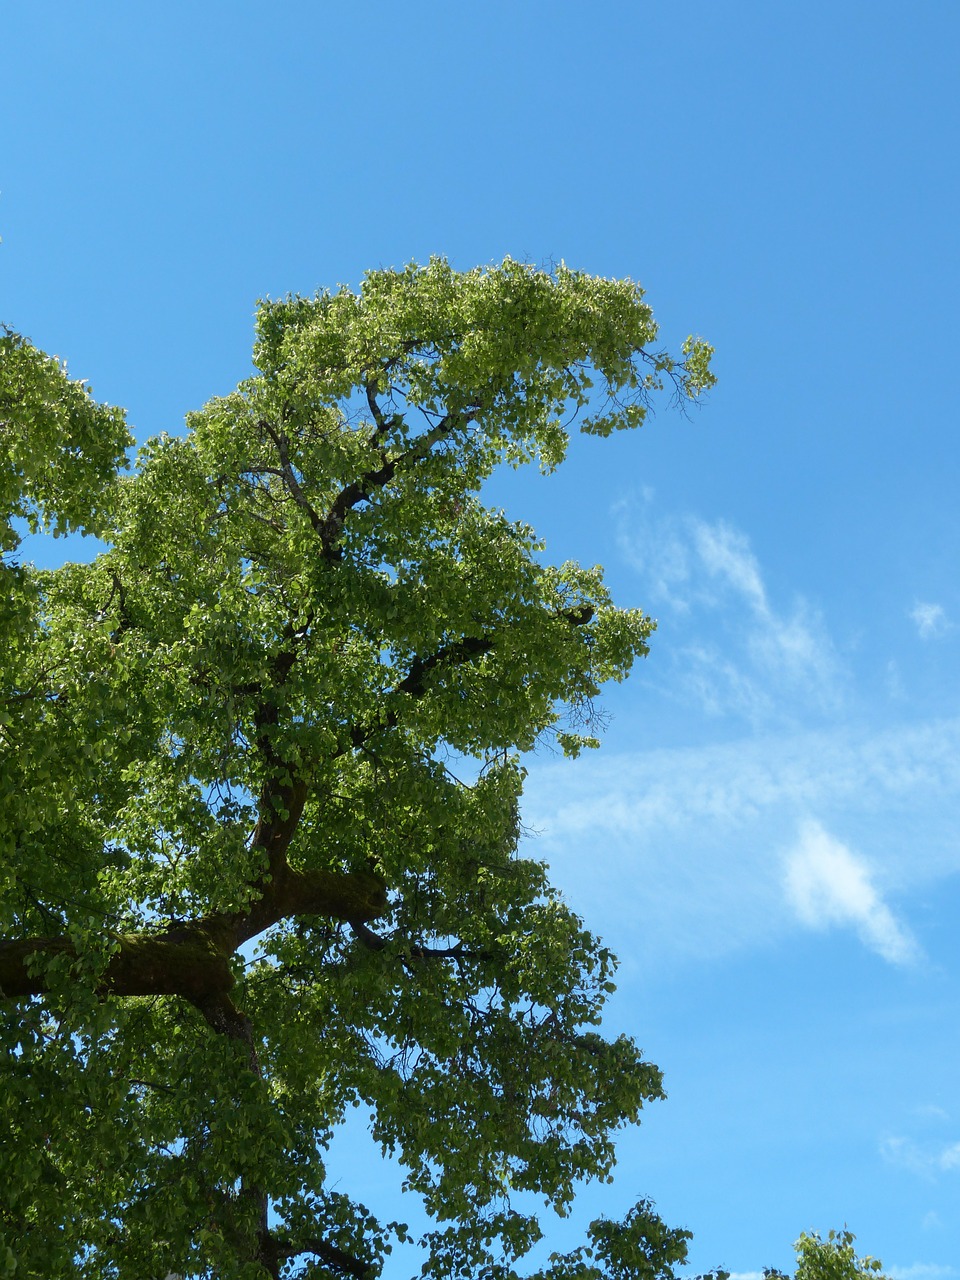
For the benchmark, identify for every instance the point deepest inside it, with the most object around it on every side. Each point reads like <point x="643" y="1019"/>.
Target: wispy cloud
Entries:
<point x="740" y="654"/>
<point x="695" y="839"/>
<point x="894" y="681"/>
<point x="931" y="620"/>
<point x="921" y="1271"/>
<point x="925" y="1159"/>
<point x="930" y="1112"/>
<point x="828" y="885"/>
<point x="735" y="843"/>
<point x="646" y="793"/>
<point x="725" y="554"/>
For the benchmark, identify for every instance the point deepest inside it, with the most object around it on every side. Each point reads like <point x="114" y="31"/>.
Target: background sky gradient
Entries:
<point x="768" y="837"/>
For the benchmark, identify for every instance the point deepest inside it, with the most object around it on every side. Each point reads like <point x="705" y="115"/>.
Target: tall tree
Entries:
<point x="261" y="770"/>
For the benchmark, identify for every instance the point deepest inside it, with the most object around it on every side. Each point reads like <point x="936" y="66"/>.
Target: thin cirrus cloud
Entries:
<point x="740" y="654"/>
<point x="829" y="886"/>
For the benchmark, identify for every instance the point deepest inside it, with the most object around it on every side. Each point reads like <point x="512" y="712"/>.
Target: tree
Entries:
<point x="830" y="1259"/>
<point x="261" y="765"/>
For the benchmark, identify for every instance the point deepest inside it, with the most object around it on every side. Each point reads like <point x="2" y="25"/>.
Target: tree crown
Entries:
<point x="262" y="762"/>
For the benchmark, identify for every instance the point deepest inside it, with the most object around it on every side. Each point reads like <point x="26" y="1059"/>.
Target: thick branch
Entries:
<point x="280" y="810"/>
<point x="281" y="802"/>
<point x="226" y="1019"/>
<point x="193" y="960"/>
<point x="144" y="964"/>
<point x="336" y="894"/>
<point x="450" y="655"/>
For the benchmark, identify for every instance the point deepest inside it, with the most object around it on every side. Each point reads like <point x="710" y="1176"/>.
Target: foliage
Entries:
<point x="830" y="1259"/>
<point x="261" y="764"/>
<point x="59" y="449"/>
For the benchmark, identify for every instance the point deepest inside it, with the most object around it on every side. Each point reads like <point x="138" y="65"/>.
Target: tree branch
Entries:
<point x="275" y="1250"/>
<point x="289" y="476"/>
<point x="374" y="942"/>
<point x="363" y="488"/>
<point x="193" y="960"/>
<point x="185" y="961"/>
<point x="384" y="423"/>
<point x="450" y="655"/>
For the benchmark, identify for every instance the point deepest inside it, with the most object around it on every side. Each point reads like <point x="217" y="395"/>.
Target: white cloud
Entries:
<point x="829" y="885"/>
<point x="906" y="1153"/>
<point x="694" y="838"/>
<point x="721" y="686"/>
<point x="691" y="840"/>
<point x="920" y="1271"/>
<point x="925" y="1159"/>
<point x="931" y="620"/>
<point x="643" y="794"/>
<point x="725" y="554"/>
<point x="739" y="654"/>
<point x="660" y="552"/>
<point x="931" y="1112"/>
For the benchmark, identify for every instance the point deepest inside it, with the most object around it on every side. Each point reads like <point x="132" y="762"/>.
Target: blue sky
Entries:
<point x="769" y="836"/>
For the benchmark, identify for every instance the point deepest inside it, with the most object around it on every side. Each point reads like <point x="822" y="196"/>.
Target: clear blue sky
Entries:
<point x="769" y="836"/>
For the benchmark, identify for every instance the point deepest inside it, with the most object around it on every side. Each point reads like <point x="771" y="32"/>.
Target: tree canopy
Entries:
<point x="261" y="769"/>
<point x="833" y="1258"/>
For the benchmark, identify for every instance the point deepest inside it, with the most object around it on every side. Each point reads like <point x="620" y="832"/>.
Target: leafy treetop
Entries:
<point x="831" y="1259"/>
